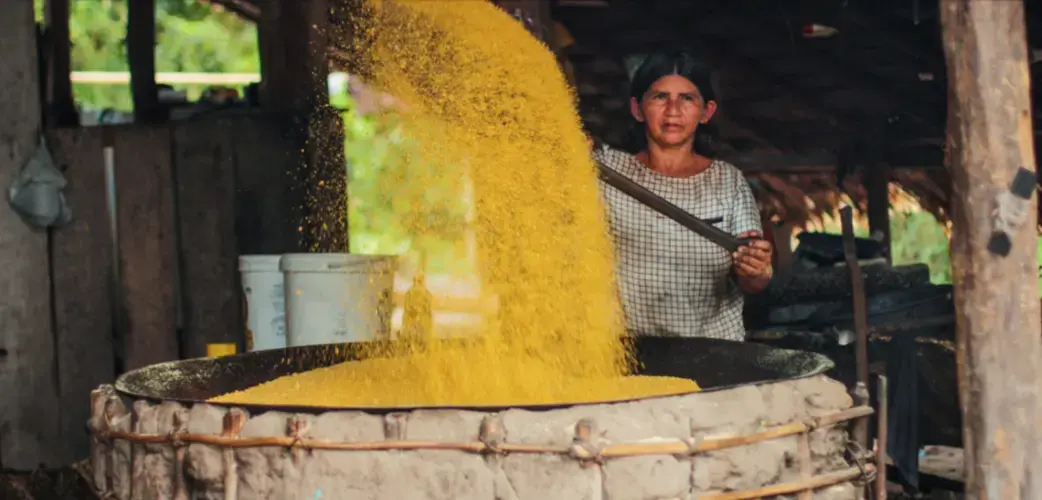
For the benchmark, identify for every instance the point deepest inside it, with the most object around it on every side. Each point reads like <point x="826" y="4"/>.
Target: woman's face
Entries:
<point x="671" y="110"/>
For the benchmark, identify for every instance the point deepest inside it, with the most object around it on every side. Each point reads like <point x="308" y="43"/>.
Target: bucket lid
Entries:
<point x="338" y="262"/>
<point x="259" y="262"/>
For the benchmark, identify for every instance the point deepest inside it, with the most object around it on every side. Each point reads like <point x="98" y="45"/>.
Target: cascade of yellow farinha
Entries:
<point x="487" y="102"/>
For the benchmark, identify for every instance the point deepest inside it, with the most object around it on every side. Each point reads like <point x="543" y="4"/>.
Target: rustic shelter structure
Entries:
<point x="818" y="99"/>
<point x="814" y="95"/>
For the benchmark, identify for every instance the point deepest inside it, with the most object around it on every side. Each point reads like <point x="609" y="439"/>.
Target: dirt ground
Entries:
<point x="46" y="484"/>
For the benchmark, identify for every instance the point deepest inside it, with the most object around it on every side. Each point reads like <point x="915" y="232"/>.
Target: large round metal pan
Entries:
<point x="714" y="364"/>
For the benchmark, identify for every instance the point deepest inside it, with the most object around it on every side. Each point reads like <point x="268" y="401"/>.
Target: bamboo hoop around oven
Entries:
<point x="108" y="415"/>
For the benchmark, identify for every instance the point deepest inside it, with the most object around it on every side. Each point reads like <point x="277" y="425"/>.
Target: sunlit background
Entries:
<point x="199" y="46"/>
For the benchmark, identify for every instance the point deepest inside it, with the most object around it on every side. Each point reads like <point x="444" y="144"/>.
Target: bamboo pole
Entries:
<point x="813" y="483"/>
<point x="585" y="447"/>
<point x="860" y="321"/>
<point x="881" y="422"/>
<point x="994" y="261"/>
<point x="235" y="420"/>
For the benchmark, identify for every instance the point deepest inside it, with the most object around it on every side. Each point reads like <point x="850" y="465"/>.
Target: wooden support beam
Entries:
<point x="999" y="339"/>
<point x="267" y="45"/>
<point x="295" y="70"/>
<point x="877" y="185"/>
<point x="248" y="9"/>
<point x="61" y="107"/>
<point x="141" y="57"/>
<point x="781" y="236"/>
<point x="29" y="412"/>
<point x="294" y="60"/>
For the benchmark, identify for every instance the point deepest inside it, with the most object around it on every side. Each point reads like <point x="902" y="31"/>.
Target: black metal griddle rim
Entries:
<point x="121" y="388"/>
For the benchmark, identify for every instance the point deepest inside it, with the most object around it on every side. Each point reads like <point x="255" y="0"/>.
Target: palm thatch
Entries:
<point x="805" y="198"/>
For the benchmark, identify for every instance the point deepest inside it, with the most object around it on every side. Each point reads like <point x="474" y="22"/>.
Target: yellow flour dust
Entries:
<point x="489" y="104"/>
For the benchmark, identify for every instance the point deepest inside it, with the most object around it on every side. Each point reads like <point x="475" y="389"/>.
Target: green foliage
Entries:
<point x="398" y="203"/>
<point x="194" y="37"/>
<point x="919" y="237"/>
<point x="191" y="36"/>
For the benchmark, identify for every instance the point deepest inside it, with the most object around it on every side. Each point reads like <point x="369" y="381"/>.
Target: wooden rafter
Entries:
<point x="604" y="40"/>
<point x="248" y="9"/>
<point x="848" y="70"/>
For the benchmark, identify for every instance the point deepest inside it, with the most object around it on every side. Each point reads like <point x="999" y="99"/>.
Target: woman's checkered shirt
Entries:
<point x="672" y="281"/>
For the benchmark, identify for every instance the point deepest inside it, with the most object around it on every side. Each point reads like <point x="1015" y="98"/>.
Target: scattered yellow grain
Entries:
<point x="490" y="106"/>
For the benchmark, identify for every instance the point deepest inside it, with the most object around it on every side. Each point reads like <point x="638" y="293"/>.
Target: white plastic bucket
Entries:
<point x="337" y="297"/>
<point x="264" y="301"/>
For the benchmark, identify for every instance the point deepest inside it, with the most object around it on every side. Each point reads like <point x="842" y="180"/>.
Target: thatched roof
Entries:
<point x="810" y="90"/>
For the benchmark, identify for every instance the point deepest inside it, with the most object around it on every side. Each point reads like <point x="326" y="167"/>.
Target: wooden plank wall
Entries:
<point x="81" y="264"/>
<point x="188" y="199"/>
<point x="147" y="304"/>
<point x="269" y="202"/>
<point x="205" y="158"/>
<point x="29" y="429"/>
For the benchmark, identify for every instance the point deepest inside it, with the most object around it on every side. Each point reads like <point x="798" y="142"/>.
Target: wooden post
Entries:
<point x="61" y="105"/>
<point x="877" y="183"/>
<point x="29" y="410"/>
<point x="781" y="236"/>
<point x="267" y="43"/>
<point x="295" y="69"/>
<point x="857" y="285"/>
<point x="999" y="340"/>
<point x="300" y="54"/>
<point x="141" y="56"/>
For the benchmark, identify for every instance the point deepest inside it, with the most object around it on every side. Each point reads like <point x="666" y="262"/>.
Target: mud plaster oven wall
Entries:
<point x="290" y="467"/>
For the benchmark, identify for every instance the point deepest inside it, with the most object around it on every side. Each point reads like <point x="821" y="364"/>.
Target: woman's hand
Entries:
<point x="752" y="263"/>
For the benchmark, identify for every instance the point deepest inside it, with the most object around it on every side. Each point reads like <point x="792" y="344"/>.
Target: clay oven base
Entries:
<point x="195" y="470"/>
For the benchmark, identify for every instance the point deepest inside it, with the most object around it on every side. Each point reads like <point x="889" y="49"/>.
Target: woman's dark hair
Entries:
<point x="680" y="63"/>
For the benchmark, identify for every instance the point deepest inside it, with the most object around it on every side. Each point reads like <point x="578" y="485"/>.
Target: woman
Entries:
<point x="674" y="282"/>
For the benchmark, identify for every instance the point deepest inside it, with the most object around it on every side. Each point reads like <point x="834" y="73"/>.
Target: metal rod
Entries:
<point x="860" y="320"/>
<point x="664" y="207"/>
<point x="116" y="292"/>
<point x="881" y="424"/>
